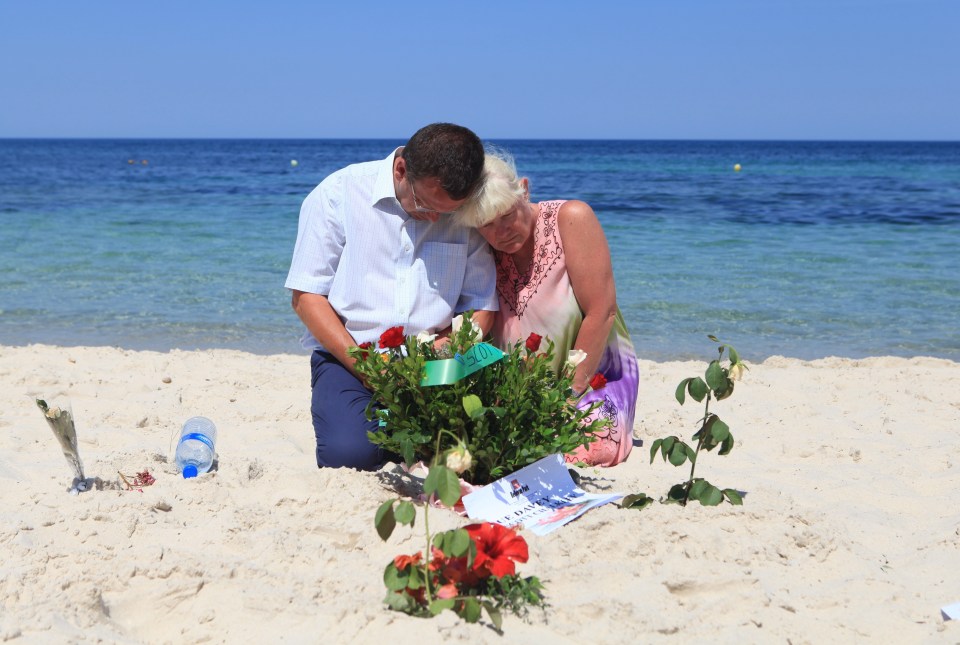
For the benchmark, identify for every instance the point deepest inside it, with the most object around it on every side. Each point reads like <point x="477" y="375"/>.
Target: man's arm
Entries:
<point x="325" y="325"/>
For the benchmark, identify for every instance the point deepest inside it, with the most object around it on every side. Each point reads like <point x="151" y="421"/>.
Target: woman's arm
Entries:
<point x="591" y="276"/>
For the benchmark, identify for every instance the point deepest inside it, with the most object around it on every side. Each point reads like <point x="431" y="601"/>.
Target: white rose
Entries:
<point x="457" y="323"/>
<point x="459" y="459"/>
<point x="424" y="337"/>
<point x="736" y="371"/>
<point x="575" y="357"/>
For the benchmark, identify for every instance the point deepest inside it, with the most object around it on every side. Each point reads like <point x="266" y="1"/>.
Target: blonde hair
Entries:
<point x="499" y="190"/>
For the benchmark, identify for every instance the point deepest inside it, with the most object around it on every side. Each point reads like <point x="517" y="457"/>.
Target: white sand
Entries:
<point x="850" y="531"/>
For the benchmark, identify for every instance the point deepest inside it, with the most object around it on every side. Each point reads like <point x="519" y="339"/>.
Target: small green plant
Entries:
<point x="468" y="570"/>
<point x="717" y="384"/>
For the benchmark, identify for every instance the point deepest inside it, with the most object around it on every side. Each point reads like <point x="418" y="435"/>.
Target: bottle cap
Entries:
<point x="189" y="471"/>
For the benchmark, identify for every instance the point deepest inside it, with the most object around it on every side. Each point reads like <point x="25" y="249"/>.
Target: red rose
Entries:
<point x="598" y="382"/>
<point x="391" y="338"/>
<point x="365" y="347"/>
<point x="533" y="341"/>
<point x="447" y="591"/>
<point x="401" y="562"/>
<point x="498" y="549"/>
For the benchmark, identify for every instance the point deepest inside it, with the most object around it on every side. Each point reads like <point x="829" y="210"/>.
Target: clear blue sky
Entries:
<point x="638" y="69"/>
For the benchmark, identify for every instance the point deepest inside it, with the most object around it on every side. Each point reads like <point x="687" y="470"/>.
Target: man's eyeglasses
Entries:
<point x="416" y="203"/>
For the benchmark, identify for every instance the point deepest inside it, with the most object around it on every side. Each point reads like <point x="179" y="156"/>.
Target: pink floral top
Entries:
<point x="541" y="300"/>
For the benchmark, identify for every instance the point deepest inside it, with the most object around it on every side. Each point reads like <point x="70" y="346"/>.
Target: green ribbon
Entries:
<point x="451" y="370"/>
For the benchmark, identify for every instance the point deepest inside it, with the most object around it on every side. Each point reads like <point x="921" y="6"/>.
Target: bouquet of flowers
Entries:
<point x="492" y="415"/>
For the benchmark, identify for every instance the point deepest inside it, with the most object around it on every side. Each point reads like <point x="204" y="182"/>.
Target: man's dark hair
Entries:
<point x="452" y="153"/>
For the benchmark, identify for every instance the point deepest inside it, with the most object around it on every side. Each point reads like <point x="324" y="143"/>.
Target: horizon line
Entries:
<point x="557" y="139"/>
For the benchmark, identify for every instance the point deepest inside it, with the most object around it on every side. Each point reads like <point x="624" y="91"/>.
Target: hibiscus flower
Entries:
<point x="598" y="382"/>
<point x="533" y="341"/>
<point x="498" y="549"/>
<point x="391" y="338"/>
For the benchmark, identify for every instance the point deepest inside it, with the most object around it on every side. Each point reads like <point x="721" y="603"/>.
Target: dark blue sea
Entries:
<point x="812" y="249"/>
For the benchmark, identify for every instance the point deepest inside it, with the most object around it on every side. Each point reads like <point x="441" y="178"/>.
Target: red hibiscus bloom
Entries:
<point x="366" y="347"/>
<point x="498" y="549"/>
<point x="401" y="562"/>
<point x="598" y="382"/>
<point x="533" y="341"/>
<point x="391" y="338"/>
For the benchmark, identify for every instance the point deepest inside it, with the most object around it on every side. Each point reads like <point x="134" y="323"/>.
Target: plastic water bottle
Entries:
<point x="195" y="450"/>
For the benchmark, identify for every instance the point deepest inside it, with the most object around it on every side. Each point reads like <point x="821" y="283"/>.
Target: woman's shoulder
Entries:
<point x="575" y="216"/>
<point x="574" y="209"/>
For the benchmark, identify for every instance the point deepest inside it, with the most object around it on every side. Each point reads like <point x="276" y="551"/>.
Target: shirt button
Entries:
<point x="406" y="248"/>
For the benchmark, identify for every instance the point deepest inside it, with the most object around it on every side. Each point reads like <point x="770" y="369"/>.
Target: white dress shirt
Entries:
<point x="378" y="266"/>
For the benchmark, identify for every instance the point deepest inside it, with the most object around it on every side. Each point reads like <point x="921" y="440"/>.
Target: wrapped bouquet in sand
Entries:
<point x="61" y="423"/>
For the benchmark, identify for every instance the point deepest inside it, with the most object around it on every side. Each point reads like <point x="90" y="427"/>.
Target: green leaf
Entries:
<point x="726" y="390"/>
<point x="667" y="445"/>
<point x="698" y="487"/>
<point x="697" y="389"/>
<point x="456" y="543"/>
<point x="494" y="614"/>
<point x="394" y="579"/>
<point x="678" y="493"/>
<point x="385" y="520"/>
<point x="473" y="406"/>
<point x="716" y="379"/>
<point x="734" y="356"/>
<point x="711" y="495"/>
<point x="713" y="338"/>
<point x="681" y="389"/>
<point x="445" y="484"/>
<point x="719" y="430"/>
<point x="417" y="579"/>
<point x="653" y="449"/>
<point x="405" y="513"/>
<point x="471" y="610"/>
<point x="733" y="496"/>
<point x="727" y="445"/>
<point x="432" y="480"/>
<point x="638" y="501"/>
<point x="691" y="453"/>
<point x="400" y="602"/>
<point x="678" y="454"/>
<point x="439" y="605"/>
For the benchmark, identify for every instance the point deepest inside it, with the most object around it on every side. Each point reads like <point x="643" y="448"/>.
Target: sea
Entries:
<point x="801" y="249"/>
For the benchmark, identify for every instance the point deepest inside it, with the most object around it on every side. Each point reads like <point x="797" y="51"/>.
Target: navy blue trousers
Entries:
<point x="339" y="417"/>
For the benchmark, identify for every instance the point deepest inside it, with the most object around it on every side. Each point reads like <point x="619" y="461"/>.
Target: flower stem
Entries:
<point x="428" y="554"/>
<point x="696" y="454"/>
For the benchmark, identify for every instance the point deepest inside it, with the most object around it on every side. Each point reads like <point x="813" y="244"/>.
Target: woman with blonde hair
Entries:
<point x="555" y="279"/>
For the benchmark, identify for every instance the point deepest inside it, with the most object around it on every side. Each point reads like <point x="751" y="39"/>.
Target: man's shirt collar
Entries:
<point x="383" y="187"/>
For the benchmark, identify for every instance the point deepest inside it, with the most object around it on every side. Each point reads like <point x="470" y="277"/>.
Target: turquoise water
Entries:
<point x="812" y="249"/>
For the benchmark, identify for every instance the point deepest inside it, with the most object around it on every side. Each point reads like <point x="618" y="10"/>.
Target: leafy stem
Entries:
<point x="696" y="453"/>
<point x="716" y="384"/>
<point x="426" y="557"/>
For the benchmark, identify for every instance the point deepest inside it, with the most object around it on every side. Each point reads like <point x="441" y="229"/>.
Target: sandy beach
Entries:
<point x="850" y="530"/>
